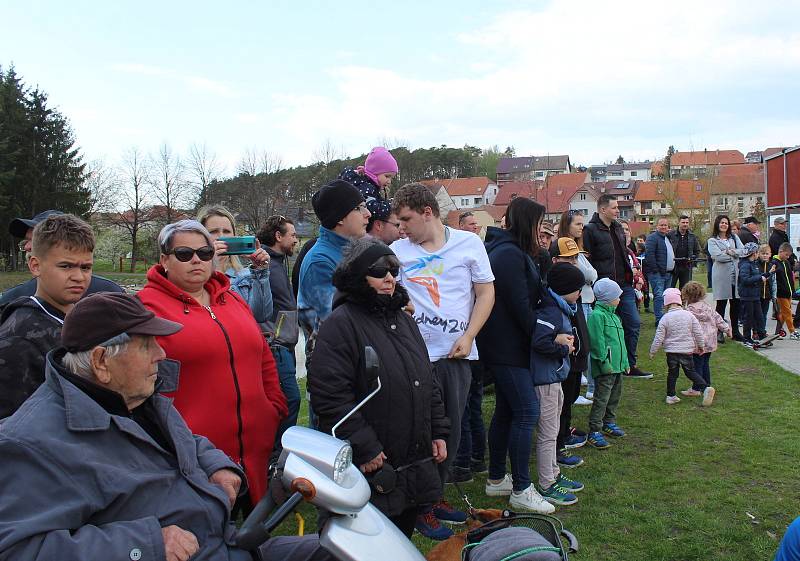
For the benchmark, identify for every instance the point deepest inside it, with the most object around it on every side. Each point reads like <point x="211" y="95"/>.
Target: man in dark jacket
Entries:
<point x="30" y="326"/>
<point x="749" y="232"/>
<point x="778" y="237"/>
<point x="279" y="237"/>
<point x="91" y="459"/>
<point x="659" y="264"/>
<point x="604" y="240"/>
<point x="686" y="248"/>
<point x="23" y="228"/>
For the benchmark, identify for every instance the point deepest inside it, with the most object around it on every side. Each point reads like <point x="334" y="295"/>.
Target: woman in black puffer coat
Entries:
<point x="405" y="422"/>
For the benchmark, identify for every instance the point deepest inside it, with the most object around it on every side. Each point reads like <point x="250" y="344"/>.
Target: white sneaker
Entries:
<point x="589" y="395"/>
<point x="672" y="399"/>
<point x="502" y="489"/>
<point x="582" y="401"/>
<point x="708" y="396"/>
<point x="795" y="336"/>
<point x="584" y="380"/>
<point x="530" y="500"/>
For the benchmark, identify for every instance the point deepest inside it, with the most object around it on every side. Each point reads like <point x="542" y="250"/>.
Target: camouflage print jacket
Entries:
<point x="27" y="332"/>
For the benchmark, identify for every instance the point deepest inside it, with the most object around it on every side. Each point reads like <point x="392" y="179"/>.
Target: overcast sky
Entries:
<point x="592" y="79"/>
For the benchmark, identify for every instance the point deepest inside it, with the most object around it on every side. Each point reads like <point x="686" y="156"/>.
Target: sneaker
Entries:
<point x="590" y="395"/>
<point x="781" y="336"/>
<point x="746" y="343"/>
<point x="582" y="401"/>
<point x="613" y="429"/>
<point x="576" y="432"/>
<point x="502" y="489"/>
<point x="568" y="483"/>
<point x="530" y="500"/>
<point x="636" y="373"/>
<point x="565" y="459"/>
<point x="460" y="474"/>
<point x="597" y="440"/>
<point x="428" y="525"/>
<point x="584" y="380"/>
<point x="446" y="513"/>
<point x="558" y="495"/>
<point x="478" y="466"/>
<point x="795" y="336"/>
<point x="574" y="441"/>
<point x="691" y="392"/>
<point x="672" y="399"/>
<point x="708" y="396"/>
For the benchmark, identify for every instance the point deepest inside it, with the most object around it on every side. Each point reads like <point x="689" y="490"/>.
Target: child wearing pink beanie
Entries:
<point x="380" y="167"/>
<point x="680" y="334"/>
<point x="372" y="179"/>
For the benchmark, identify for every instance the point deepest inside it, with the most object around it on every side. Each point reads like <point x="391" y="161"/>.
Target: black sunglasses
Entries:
<point x="379" y="272"/>
<point x="185" y="254"/>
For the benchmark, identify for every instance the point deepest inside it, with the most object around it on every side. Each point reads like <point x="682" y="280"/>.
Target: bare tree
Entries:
<point x="169" y="187"/>
<point x="133" y="194"/>
<point x="101" y="182"/>
<point x="202" y="169"/>
<point x="325" y="155"/>
<point x="260" y="186"/>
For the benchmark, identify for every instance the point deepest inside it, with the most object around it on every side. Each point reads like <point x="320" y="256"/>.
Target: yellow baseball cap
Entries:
<point x="568" y="248"/>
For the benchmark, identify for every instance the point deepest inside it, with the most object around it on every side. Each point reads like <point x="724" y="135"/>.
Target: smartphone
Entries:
<point x="239" y="245"/>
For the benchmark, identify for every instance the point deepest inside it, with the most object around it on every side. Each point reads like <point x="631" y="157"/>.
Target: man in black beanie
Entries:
<point x="343" y="216"/>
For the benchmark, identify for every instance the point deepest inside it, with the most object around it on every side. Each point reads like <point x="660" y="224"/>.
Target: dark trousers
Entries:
<point x="702" y="366"/>
<point x="607" y="394"/>
<point x="454" y="378"/>
<point x="473" y="434"/>
<point x="405" y="520"/>
<point x="764" y="313"/>
<point x="287" y="376"/>
<point x="752" y="318"/>
<point x="676" y="361"/>
<point x="722" y="304"/>
<point x="511" y="430"/>
<point x="293" y="548"/>
<point x="681" y="275"/>
<point x="572" y="389"/>
<point x="628" y="313"/>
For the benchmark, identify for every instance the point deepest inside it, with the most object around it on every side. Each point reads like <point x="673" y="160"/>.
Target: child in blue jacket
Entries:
<point x="553" y="341"/>
<point x="751" y="281"/>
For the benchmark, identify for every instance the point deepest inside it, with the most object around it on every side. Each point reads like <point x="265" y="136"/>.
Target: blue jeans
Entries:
<point x="628" y="314"/>
<point x="473" y="433"/>
<point x="659" y="282"/>
<point x="764" y="314"/>
<point x="702" y="365"/>
<point x="287" y="376"/>
<point x="511" y="431"/>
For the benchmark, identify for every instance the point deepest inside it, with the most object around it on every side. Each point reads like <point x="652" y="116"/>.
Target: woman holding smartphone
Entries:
<point x="251" y="283"/>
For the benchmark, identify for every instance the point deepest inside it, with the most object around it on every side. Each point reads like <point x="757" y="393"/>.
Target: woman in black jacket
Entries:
<point x="504" y="345"/>
<point x="404" y="425"/>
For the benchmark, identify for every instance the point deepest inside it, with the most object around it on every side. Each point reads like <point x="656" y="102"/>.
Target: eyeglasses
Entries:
<point x="185" y="254"/>
<point x="379" y="272"/>
<point x="395" y="224"/>
<point x="464" y="215"/>
<point x="362" y="208"/>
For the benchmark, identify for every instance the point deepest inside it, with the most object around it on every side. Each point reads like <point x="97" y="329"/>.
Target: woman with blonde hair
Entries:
<point x="251" y="283"/>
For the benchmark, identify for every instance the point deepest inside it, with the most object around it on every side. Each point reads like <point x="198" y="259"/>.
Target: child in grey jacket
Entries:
<point x="680" y="334"/>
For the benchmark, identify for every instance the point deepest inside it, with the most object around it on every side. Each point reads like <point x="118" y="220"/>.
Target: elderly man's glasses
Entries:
<point x="185" y="254"/>
<point x="379" y="272"/>
<point x="362" y="208"/>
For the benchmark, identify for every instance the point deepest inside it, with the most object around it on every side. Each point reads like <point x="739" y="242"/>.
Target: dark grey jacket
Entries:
<point x="282" y="295"/>
<point x="80" y="483"/>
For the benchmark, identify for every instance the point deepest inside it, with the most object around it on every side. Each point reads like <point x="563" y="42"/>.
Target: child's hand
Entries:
<point x="772" y="269"/>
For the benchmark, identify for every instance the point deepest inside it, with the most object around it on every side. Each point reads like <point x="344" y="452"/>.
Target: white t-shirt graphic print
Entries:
<point x="440" y="286"/>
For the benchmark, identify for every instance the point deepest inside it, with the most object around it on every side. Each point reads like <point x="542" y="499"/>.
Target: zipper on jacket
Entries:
<point x="236" y="387"/>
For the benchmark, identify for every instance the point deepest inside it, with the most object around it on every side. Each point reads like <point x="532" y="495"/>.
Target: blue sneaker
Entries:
<point x="569" y="484"/>
<point x="597" y="440"/>
<point x="575" y="441"/>
<point x="446" y="513"/>
<point x="558" y="495"/>
<point x="428" y="525"/>
<point x="612" y="429"/>
<point x="567" y="460"/>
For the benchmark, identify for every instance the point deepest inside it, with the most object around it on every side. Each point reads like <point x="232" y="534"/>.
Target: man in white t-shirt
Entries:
<point x="448" y="277"/>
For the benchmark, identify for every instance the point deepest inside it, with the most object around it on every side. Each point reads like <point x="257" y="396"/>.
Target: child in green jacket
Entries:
<point x="609" y="361"/>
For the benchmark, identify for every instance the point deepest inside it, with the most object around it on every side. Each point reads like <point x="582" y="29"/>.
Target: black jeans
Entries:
<point x="752" y="319"/>
<point x="572" y="389"/>
<point x="473" y="432"/>
<point x="722" y="304"/>
<point x="405" y="520"/>
<point x="681" y="275"/>
<point x="676" y="361"/>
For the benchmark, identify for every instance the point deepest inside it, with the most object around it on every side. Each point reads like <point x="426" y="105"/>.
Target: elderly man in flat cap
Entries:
<point x="97" y="465"/>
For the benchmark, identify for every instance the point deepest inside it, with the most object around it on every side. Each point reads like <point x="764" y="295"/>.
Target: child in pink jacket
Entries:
<point x="681" y="335"/>
<point x="694" y="295"/>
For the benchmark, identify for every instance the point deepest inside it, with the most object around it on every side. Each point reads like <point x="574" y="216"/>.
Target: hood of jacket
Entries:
<point x="20" y="304"/>
<point x="495" y="237"/>
<point x="566" y="307"/>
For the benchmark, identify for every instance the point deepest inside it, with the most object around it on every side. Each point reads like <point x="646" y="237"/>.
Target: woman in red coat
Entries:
<point x="229" y="390"/>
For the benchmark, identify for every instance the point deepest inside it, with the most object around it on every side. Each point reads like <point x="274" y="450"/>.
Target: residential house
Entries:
<point x="670" y="198"/>
<point x="640" y="171"/>
<point x="446" y="203"/>
<point x="513" y="189"/>
<point x="531" y="168"/>
<point x="624" y="191"/>
<point x="487" y="215"/>
<point x="693" y="165"/>
<point x="467" y="192"/>
<point x="558" y="193"/>
<point x="738" y="190"/>
<point x="758" y="156"/>
<point x="598" y="173"/>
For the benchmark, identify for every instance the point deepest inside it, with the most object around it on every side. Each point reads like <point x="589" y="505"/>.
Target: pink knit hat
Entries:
<point x="379" y="161"/>
<point x="672" y="296"/>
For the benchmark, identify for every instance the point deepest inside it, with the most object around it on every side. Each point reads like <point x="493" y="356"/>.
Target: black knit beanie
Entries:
<point x="334" y="201"/>
<point x="564" y="278"/>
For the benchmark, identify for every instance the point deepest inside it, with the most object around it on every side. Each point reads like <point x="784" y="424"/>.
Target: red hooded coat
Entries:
<point x="228" y="389"/>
